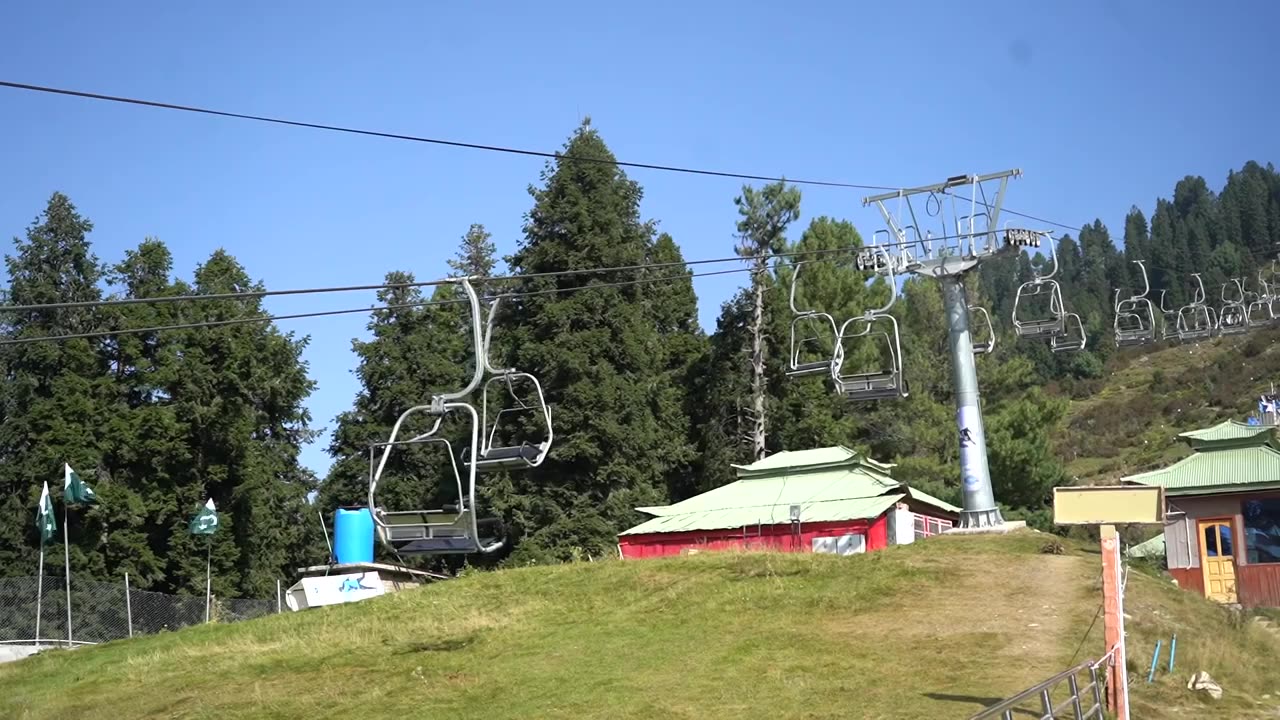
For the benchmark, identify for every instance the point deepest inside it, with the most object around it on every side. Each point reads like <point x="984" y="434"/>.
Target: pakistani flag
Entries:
<point x="74" y="491"/>
<point x="205" y="521"/>
<point x="44" y="516"/>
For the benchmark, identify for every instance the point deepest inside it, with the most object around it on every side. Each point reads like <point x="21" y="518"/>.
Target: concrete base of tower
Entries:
<point x="1000" y="529"/>
<point x="989" y="517"/>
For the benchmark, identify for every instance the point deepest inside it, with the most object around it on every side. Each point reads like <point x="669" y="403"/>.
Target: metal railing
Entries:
<point x="1083" y="702"/>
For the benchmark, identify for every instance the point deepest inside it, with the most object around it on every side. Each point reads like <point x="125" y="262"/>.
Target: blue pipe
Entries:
<point x="1155" y="658"/>
<point x="1173" y="650"/>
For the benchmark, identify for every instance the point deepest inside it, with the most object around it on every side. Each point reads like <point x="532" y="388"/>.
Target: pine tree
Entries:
<point x="765" y="215"/>
<point x="682" y="344"/>
<point x="241" y="391"/>
<point x="594" y="345"/>
<point x="54" y="390"/>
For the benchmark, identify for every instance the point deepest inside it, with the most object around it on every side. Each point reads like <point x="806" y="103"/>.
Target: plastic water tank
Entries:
<point x="353" y="535"/>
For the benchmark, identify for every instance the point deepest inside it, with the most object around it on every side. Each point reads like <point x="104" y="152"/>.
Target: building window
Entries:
<point x="1261" y="530"/>
<point x="926" y="526"/>
<point x="850" y="544"/>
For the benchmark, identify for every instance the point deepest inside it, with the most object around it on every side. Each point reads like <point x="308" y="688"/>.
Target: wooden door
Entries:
<point x="1217" y="560"/>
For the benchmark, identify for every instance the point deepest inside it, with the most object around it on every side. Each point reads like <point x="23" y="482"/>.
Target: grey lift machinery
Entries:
<point x="811" y="333"/>
<point x="456" y="528"/>
<point x="972" y="238"/>
<point x="878" y="328"/>
<point x="1196" y="320"/>
<point x="1135" y="316"/>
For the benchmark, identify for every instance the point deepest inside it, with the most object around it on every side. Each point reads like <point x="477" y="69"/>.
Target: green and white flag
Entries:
<point x="74" y="490"/>
<point x="44" y="515"/>
<point x="205" y="521"/>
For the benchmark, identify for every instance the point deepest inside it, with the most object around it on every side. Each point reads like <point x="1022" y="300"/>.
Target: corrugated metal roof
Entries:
<point x="785" y="489"/>
<point x="1229" y="431"/>
<point x="863" y="508"/>
<point x="1234" y="468"/>
<point x="829" y="484"/>
<point x="928" y="499"/>
<point x="1151" y="548"/>
<point x="816" y="458"/>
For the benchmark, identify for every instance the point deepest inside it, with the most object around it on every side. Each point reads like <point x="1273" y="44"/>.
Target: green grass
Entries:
<point x="935" y="629"/>
<point x="1128" y="420"/>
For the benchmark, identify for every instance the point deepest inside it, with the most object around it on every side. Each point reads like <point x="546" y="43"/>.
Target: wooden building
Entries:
<point x="830" y="500"/>
<point x="1222" y="526"/>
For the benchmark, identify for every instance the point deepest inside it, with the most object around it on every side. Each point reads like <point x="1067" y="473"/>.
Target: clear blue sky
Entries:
<point x="1101" y="104"/>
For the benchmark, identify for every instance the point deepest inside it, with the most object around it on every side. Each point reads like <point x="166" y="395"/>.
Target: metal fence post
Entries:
<point x="128" y="605"/>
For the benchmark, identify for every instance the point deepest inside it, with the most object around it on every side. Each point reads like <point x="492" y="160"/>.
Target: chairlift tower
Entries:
<point x="967" y="239"/>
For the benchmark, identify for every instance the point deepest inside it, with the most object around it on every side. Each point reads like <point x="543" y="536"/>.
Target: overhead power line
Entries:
<point x="348" y="311"/>
<point x="420" y="139"/>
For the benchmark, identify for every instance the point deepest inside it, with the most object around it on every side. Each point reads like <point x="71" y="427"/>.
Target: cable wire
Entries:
<point x="348" y="311"/>
<point x="432" y="141"/>
<point x="165" y="299"/>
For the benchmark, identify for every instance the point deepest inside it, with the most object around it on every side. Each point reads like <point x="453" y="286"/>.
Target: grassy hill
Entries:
<point x="1127" y="421"/>
<point x="936" y="629"/>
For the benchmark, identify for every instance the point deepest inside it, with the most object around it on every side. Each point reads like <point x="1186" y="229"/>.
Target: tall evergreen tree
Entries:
<point x="51" y="397"/>
<point x="764" y="217"/>
<point x="241" y="391"/>
<point x="594" y="345"/>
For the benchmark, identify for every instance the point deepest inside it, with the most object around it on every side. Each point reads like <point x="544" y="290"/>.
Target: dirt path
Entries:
<point x="1034" y="604"/>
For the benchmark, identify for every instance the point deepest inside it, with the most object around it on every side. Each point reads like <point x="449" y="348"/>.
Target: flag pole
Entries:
<point x="39" y="590"/>
<point x="66" y="554"/>
<point x="208" y="555"/>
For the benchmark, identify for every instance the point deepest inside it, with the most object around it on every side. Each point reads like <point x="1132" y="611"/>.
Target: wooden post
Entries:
<point x="1107" y="506"/>
<point x="1113" y="624"/>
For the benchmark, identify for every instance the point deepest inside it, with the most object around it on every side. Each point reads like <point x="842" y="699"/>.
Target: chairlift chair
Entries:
<point x="495" y="452"/>
<point x="884" y="382"/>
<point x="1259" y="312"/>
<point x="498" y="453"/>
<point x="809" y="328"/>
<point x="1040" y="328"/>
<point x="985" y="346"/>
<point x="1168" y="319"/>
<point x="1041" y="286"/>
<point x="1233" y="318"/>
<point x="1135" y="316"/>
<point x="1196" y="320"/>
<point x="454" y="528"/>
<point x="1069" y="341"/>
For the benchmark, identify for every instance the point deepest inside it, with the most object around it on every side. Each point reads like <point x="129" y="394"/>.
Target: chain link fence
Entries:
<point x="102" y="611"/>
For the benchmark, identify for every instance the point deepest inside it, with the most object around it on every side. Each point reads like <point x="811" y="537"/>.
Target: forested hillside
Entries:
<point x="648" y="406"/>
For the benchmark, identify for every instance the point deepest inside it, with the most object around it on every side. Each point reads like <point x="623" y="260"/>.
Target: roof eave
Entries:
<point x="1221" y="489"/>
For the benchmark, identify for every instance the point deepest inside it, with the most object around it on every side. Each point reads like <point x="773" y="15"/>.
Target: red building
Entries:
<point x="829" y="500"/>
<point x="1222" y="521"/>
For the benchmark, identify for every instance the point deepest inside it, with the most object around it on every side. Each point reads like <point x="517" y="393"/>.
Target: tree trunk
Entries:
<point x="757" y="362"/>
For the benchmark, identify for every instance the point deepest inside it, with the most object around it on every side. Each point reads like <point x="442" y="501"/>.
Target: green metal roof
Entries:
<point x="1151" y="548"/>
<point x="734" y="517"/>
<point x="1230" y="432"/>
<point x="1232" y="469"/>
<point x="809" y="461"/>
<point x="829" y="484"/>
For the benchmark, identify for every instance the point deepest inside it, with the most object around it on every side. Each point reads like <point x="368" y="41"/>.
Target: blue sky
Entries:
<point x="1101" y="104"/>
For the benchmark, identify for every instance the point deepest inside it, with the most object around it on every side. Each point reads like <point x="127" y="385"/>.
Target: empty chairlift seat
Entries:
<point x="510" y="398"/>
<point x="814" y="349"/>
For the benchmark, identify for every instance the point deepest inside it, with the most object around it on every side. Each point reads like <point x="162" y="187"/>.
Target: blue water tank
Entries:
<point x="353" y="535"/>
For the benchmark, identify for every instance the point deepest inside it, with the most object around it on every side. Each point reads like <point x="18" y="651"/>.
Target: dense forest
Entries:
<point x="648" y="406"/>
